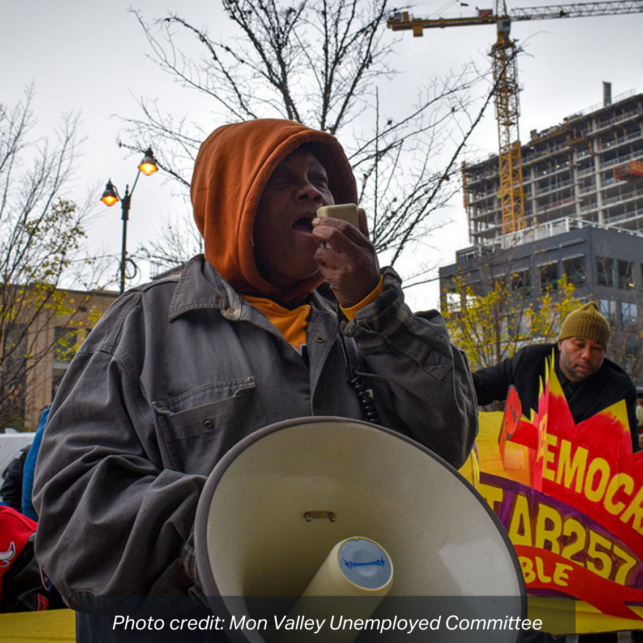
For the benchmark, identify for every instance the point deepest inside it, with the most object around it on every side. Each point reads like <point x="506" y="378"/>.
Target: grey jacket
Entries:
<point x="178" y="371"/>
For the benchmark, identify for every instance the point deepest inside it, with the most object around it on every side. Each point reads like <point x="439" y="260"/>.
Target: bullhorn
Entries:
<point x="332" y="519"/>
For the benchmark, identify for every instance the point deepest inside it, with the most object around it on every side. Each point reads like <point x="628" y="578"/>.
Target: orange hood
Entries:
<point x="231" y="170"/>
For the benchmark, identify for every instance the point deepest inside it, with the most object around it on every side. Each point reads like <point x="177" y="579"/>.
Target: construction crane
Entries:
<point x="505" y="76"/>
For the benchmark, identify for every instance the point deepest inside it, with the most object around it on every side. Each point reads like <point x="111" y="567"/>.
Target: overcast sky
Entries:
<point x="91" y="57"/>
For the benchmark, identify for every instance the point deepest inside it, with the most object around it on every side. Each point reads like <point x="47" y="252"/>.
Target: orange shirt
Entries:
<point x="292" y="323"/>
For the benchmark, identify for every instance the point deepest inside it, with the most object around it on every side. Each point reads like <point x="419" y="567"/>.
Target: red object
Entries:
<point x="15" y="530"/>
<point x="545" y="570"/>
<point x="629" y="172"/>
<point x="510" y="420"/>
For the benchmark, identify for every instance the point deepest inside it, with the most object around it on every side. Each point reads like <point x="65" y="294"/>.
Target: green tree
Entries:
<point x="491" y="320"/>
<point x="41" y="239"/>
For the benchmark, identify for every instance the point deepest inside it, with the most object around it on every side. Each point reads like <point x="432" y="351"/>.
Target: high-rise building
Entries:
<point x="586" y="170"/>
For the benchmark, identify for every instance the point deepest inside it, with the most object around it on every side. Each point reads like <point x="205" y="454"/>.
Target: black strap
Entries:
<point x="351" y="360"/>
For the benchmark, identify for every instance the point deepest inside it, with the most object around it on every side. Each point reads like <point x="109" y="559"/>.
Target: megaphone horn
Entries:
<point x="288" y="495"/>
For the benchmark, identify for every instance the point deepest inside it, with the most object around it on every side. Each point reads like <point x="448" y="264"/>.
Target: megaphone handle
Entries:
<point x="353" y="378"/>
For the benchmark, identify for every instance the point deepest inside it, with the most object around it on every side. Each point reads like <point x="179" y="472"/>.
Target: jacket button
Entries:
<point x="207" y="424"/>
<point x="320" y="340"/>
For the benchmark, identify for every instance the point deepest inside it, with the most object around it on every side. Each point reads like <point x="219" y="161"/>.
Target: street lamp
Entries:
<point x="110" y="196"/>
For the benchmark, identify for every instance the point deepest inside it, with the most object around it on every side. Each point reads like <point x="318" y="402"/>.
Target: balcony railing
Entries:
<point x="558" y="226"/>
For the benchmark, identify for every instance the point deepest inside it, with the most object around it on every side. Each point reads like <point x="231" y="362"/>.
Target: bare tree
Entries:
<point x="175" y="243"/>
<point x="318" y="62"/>
<point x="40" y="243"/>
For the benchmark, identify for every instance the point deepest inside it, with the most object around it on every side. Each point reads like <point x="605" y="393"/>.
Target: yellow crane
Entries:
<point x="505" y="76"/>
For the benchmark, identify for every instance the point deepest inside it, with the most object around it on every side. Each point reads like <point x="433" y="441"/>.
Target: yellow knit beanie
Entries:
<point x="586" y="322"/>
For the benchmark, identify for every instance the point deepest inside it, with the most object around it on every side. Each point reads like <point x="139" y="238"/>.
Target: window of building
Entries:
<point x="605" y="271"/>
<point x="608" y="308"/>
<point x="625" y="274"/>
<point x="548" y="274"/>
<point x="574" y="268"/>
<point x="628" y="314"/>
<point x="583" y="152"/>
<point x="521" y="282"/>
<point x="452" y="299"/>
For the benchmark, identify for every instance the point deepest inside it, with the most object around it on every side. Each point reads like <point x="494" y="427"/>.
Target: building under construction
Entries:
<point x="583" y="219"/>
<point x="587" y="170"/>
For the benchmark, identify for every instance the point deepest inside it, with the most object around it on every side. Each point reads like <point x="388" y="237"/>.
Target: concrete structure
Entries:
<point x="568" y="172"/>
<point x="583" y="186"/>
<point x="604" y="264"/>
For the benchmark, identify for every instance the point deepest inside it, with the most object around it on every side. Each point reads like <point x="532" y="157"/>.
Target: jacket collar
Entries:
<point x="201" y="287"/>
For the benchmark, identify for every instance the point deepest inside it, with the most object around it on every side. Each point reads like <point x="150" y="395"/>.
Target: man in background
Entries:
<point x="590" y="381"/>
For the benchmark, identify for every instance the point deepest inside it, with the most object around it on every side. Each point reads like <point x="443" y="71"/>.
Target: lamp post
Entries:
<point x="147" y="166"/>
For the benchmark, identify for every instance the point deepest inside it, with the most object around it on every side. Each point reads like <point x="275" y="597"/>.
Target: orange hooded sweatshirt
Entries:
<point x="231" y="171"/>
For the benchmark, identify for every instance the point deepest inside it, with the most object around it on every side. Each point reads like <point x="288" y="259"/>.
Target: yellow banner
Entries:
<point x="55" y="626"/>
<point x="571" y="499"/>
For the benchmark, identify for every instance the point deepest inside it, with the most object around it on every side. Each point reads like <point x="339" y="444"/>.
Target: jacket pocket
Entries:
<point x="201" y="425"/>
